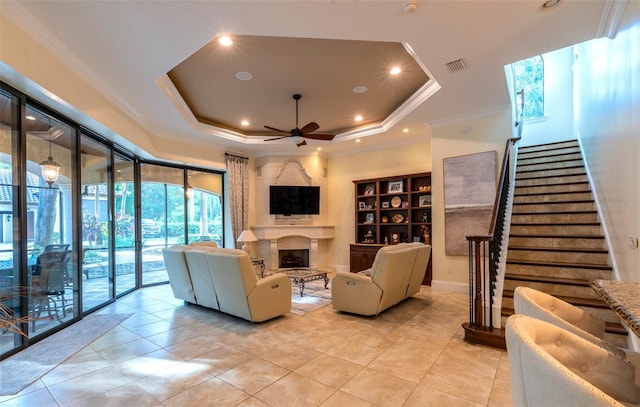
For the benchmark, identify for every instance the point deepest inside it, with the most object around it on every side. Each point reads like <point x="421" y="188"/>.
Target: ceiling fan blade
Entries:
<point x="274" y="129"/>
<point x="302" y="143"/>
<point x="277" y="138"/>
<point x="318" y="136"/>
<point x="310" y="127"/>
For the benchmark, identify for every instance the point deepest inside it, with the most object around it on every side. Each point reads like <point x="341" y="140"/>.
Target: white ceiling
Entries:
<point x="127" y="47"/>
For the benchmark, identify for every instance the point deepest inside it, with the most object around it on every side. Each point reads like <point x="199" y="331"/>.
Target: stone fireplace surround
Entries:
<point x="284" y="237"/>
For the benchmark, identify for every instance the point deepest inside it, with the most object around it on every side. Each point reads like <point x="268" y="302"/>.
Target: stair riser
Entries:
<point x="550" y="165"/>
<point x="547" y="149"/>
<point x="551" y="242"/>
<point x="550" y="181"/>
<point x="605" y="314"/>
<point x="538" y="199"/>
<point x="544" y="189"/>
<point x="549" y="159"/>
<point x="559" y="272"/>
<point x="559" y="230"/>
<point x="562" y="257"/>
<point x="555" y="289"/>
<point x="550" y="173"/>
<point x="555" y="218"/>
<point x="554" y="207"/>
<point x="522" y="155"/>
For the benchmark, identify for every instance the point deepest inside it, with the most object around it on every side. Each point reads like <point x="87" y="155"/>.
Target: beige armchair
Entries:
<point x="550" y="366"/>
<point x="543" y="306"/>
<point x="241" y="293"/>
<point x="384" y="285"/>
<point x="179" y="277"/>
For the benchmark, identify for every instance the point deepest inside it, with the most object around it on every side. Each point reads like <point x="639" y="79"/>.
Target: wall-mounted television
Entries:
<point x="294" y="200"/>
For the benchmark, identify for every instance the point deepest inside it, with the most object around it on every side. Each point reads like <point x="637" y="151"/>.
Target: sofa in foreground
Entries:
<point x="396" y="274"/>
<point x="225" y="280"/>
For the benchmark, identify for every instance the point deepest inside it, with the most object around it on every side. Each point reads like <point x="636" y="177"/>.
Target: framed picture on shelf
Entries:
<point x="425" y="200"/>
<point x="370" y="189"/>
<point x="385" y="204"/>
<point x="361" y="205"/>
<point x="394" y="186"/>
<point x="370" y="218"/>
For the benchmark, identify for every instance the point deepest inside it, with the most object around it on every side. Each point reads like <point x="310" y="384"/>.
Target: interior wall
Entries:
<point x="466" y="137"/>
<point x="557" y="123"/>
<point x="343" y="170"/>
<point x="607" y="86"/>
<point x="67" y="91"/>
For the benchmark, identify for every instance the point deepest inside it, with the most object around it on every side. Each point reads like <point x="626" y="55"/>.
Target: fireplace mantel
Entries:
<point x="271" y="232"/>
<point x="311" y="234"/>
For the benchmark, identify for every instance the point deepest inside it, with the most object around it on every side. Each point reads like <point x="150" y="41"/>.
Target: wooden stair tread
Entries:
<point x="556" y="213"/>
<point x="558" y="249"/>
<point x="559" y="264"/>
<point x="545" y="279"/>
<point x="555" y="184"/>
<point x="557" y="224"/>
<point x="552" y="193"/>
<point x="552" y="202"/>
<point x="558" y="236"/>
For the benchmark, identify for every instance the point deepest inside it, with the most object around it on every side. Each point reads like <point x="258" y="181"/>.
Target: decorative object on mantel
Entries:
<point x="246" y="237"/>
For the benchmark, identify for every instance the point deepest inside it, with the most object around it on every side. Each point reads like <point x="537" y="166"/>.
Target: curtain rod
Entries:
<point x="237" y="156"/>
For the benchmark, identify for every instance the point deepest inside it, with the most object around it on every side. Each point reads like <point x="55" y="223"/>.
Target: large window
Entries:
<point x="89" y="228"/>
<point x="529" y="74"/>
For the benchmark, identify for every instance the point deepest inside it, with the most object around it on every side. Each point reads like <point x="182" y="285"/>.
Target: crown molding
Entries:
<point x="611" y="18"/>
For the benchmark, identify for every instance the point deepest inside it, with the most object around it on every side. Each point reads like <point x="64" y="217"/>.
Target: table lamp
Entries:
<point x="246" y="237"/>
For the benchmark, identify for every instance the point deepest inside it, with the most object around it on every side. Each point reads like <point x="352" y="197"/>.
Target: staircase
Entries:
<point x="555" y="242"/>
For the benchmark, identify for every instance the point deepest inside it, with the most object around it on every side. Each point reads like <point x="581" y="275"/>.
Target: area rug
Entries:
<point x="27" y="366"/>
<point x="315" y="296"/>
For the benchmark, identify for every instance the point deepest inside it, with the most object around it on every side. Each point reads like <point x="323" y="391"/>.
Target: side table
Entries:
<point x="256" y="261"/>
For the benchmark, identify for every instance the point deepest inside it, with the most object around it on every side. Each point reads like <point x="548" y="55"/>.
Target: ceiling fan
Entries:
<point x="301" y="133"/>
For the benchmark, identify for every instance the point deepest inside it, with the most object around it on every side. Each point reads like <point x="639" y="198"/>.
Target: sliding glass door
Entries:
<point x="97" y="257"/>
<point x="162" y="217"/>
<point x="124" y="224"/>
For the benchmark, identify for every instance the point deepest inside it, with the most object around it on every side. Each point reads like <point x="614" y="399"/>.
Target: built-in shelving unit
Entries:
<point x="390" y="210"/>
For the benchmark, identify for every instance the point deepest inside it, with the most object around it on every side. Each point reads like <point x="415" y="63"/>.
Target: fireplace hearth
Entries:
<point x="293" y="258"/>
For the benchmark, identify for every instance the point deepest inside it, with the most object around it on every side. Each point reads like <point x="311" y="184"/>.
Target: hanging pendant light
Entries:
<point x="50" y="169"/>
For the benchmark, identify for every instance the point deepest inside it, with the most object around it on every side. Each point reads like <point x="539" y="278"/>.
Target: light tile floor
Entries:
<point x="172" y="354"/>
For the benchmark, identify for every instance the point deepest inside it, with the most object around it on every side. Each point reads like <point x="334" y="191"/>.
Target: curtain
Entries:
<point x="238" y="177"/>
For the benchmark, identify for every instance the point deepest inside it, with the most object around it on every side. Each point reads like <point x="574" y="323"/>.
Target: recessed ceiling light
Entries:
<point x="225" y="40"/>
<point x="244" y="122"/>
<point x="29" y="117"/>
<point x="358" y="118"/>
<point x="405" y="130"/>
<point x="360" y="89"/>
<point x="357" y="140"/>
<point x="319" y="148"/>
<point x="395" y="70"/>
<point x="244" y="76"/>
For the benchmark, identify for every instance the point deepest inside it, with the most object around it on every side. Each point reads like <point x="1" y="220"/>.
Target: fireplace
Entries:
<point x="293" y="258"/>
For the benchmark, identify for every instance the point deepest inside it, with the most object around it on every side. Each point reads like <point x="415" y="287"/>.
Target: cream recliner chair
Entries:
<point x="384" y="285"/>
<point x="543" y="306"/>
<point x="419" y="268"/>
<point x="550" y="366"/>
<point x="241" y="293"/>
<point x="203" y="287"/>
<point x="178" y="272"/>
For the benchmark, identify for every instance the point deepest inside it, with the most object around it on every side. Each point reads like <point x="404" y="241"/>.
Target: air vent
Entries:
<point x="457" y="65"/>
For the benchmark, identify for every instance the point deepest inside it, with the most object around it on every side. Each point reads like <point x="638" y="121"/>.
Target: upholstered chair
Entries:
<point x="550" y="366"/>
<point x="203" y="287"/>
<point x="546" y="307"/>
<point x="204" y="243"/>
<point x="241" y="293"/>
<point x="179" y="277"/>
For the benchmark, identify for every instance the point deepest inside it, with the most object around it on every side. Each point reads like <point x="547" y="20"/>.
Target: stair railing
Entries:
<point x="484" y="250"/>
